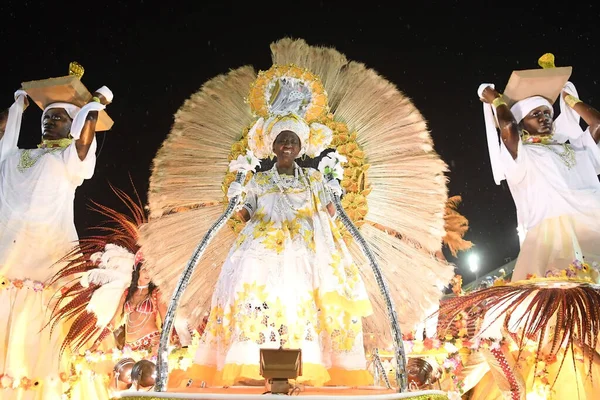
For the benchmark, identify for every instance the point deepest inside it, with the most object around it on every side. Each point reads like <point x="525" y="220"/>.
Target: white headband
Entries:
<point x="523" y="107"/>
<point x="71" y="109"/>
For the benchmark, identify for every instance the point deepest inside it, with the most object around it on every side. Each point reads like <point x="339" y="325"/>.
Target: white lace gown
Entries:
<point x="288" y="281"/>
<point x="37" y="188"/>
<point x="557" y="197"/>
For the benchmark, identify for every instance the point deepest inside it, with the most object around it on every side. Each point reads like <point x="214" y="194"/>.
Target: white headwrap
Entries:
<point x="566" y="124"/>
<point x="523" y="107"/>
<point x="78" y="115"/>
<point x="286" y="112"/>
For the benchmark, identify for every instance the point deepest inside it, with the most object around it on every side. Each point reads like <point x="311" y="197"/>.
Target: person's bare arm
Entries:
<point x="88" y="132"/>
<point x="590" y="115"/>
<point x="509" y="128"/>
<point x="4" y="116"/>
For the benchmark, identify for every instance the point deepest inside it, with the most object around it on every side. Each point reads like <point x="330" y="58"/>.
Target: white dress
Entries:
<point x="558" y="205"/>
<point x="288" y="281"/>
<point x="37" y="188"/>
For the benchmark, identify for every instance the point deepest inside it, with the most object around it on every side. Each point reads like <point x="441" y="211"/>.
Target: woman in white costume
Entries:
<point x="551" y="168"/>
<point x="289" y="280"/>
<point x="544" y="323"/>
<point x="37" y="187"/>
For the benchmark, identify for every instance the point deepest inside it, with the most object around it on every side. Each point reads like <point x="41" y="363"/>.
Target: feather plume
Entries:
<point x="98" y="260"/>
<point x="455" y="226"/>
<point x="562" y="313"/>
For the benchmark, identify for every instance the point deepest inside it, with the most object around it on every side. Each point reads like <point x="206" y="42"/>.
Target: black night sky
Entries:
<point x="155" y="55"/>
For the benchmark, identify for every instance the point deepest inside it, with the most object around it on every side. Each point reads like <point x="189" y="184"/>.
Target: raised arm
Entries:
<point x="4" y="116"/>
<point x="88" y="132"/>
<point x="509" y="128"/>
<point x="590" y="115"/>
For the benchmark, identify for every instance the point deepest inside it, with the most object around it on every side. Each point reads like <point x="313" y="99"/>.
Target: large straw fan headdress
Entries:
<point x="394" y="180"/>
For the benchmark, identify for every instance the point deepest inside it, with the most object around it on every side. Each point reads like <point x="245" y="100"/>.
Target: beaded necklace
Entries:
<point x="298" y="181"/>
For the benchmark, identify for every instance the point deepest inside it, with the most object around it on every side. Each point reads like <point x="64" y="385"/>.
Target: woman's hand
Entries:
<point x="100" y="96"/>
<point x="335" y="187"/>
<point x="489" y="94"/>
<point x="235" y="189"/>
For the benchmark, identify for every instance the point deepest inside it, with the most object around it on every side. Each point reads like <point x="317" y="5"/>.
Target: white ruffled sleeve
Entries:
<point x="251" y="201"/>
<point x="592" y="148"/>
<point x="80" y="169"/>
<point x="318" y="185"/>
<point x="514" y="169"/>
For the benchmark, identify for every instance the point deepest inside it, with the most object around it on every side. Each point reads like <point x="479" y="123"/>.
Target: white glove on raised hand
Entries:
<point x="335" y="187"/>
<point x="235" y="189"/>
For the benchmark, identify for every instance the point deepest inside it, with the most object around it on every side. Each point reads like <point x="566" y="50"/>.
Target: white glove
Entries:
<point x="235" y="189"/>
<point x="335" y="187"/>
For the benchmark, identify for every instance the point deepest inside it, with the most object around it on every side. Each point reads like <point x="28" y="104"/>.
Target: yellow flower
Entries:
<point x="252" y="327"/>
<point x="238" y="148"/>
<point x="316" y="176"/>
<point x="259" y="138"/>
<point x="252" y="291"/>
<point x="236" y="223"/>
<point x="276" y="313"/>
<point x="331" y="321"/>
<point x="316" y="137"/>
<point x="263" y="228"/>
<point x="293" y="227"/>
<point x="355" y="206"/>
<point x="240" y="239"/>
<point x="349" y="340"/>
<point x="229" y="177"/>
<point x="336" y="260"/>
<point x="352" y="273"/>
<point x="3" y="282"/>
<point x="309" y="239"/>
<point x="260" y="214"/>
<point x="305" y="213"/>
<point x="262" y="179"/>
<point x="275" y="241"/>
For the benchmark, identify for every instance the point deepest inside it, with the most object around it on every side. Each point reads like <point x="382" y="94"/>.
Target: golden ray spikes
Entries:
<point x="326" y="63"/>
<point x="185" y="194"/>
<point x="189" y="167"/>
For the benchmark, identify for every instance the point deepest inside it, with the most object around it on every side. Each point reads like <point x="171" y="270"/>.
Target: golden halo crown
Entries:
<point x="293" y="82"/>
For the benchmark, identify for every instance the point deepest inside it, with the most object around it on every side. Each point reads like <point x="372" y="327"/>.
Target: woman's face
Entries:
<point x="144" y="278"/>
<point x="286" y="146"/>
<point x="538" y="121"/>
<point x="56" y="124"/>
